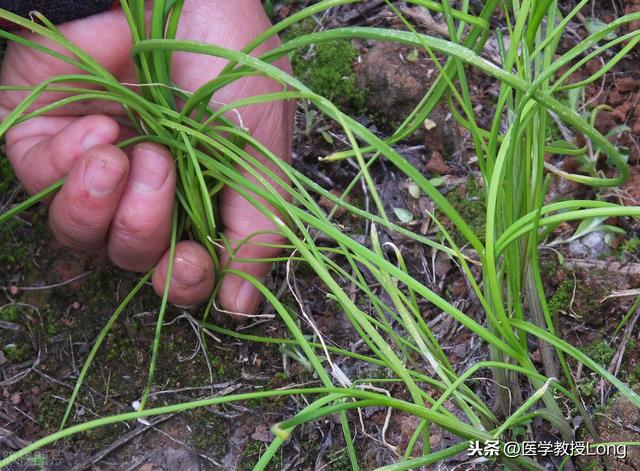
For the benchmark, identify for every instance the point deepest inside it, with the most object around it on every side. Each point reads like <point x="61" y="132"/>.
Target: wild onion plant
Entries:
<point x="211" y="151"/>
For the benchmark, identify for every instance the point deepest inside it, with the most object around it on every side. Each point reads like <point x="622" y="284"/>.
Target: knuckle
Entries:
<point x="135" y="243"/>
<point x="80" y="227"/>
<point x="129" y="227"/>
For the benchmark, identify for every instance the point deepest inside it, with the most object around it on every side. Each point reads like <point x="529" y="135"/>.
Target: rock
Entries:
<point x="593" y="246"/>
<point x="394" y="85"/>
<point x="577" y="249"/>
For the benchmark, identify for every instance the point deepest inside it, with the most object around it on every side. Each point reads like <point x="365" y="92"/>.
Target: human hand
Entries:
<point x="123" y="202"/>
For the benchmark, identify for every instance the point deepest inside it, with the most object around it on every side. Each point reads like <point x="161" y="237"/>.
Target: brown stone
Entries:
<point x="394" y="86"/>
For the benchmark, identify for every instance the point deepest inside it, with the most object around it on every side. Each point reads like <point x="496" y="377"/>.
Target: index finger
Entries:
<point x="44" y="150"/>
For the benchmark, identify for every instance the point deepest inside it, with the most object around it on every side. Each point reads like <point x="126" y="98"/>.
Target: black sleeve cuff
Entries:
<point x="58" y="11"/>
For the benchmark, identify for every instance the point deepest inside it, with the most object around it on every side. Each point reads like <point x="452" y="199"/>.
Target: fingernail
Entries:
<point x="150" y="169"/>
<point x="249" y="298"/>
<point x="186" y="273"/>
<point x="94" y="138"/>
<point x="101" y="177"/>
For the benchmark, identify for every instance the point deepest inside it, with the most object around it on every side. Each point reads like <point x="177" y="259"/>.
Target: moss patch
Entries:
<point x="327" y="68"/>
<point x="209" y="431"/>
<point x="600" y="352"/>
<point x="252" y="452"/>
<point x="9" y="313"/>
<point x="580" y="298"/>
<point x="17" y="353"/>
<point x="628" y="248"/>
<point x="468" y="201"/>
<point x="339" y="460"/>
<point x="7" y="177"/>
<point x="561" y="298"/>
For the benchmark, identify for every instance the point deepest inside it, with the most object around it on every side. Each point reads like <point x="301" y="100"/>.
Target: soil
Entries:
<point x="55" y="301"/>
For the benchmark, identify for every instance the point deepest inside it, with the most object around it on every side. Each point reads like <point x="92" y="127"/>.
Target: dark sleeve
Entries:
<point x="58" y="11"/>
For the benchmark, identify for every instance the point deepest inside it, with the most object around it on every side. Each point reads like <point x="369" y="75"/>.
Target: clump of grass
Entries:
<point x="209" y="152"/>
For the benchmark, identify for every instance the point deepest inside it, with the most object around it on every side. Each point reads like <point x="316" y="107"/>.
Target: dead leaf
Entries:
<point x="442" y="265"/>
<point x="262" y="434"/>
<point x="437" y="164"/>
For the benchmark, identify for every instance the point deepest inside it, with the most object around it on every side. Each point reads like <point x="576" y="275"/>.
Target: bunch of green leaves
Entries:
<point x="210" y="152"/>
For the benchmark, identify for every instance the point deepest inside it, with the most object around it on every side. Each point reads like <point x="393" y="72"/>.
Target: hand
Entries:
<point x="124" y="201"/>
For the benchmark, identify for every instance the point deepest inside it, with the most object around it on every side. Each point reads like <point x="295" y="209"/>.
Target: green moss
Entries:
<point x="634" y="375"/>
<point x="17" y="353"/>
<point x="20" y="240"/>
<point x="279" y="380"/>
<point x="338" y="461"/>
<point x="628" y="247"/>
<point x="579" y="298"/>
<point x="561" y="298"/>
<point x="210" y="433"/>
<point x="99" y="288"/>
<point x="327" y="68"/>
<point x="12" y="254"/>
<point x="468" y="201"/>
<point x="50" y="411"/>
<point x="7" y="177"/>
<point x="252" y="452"/>
<point x="119" y="348"/>
<point x="103" y="436"/>
<point x="281" y="377"/>
<point x="9" y="313"/>
<point x="52" y="321"/>
<point x="600" y="352"/>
